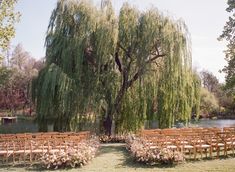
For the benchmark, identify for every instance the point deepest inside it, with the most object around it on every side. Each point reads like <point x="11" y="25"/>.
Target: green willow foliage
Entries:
<point x="176" y="89"/>
<point x="125" y="68"/>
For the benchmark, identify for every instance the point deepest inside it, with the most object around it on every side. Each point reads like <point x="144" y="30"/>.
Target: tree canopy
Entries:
<point x="229" y="35"/>
<point x="8" y="18"/>
<point x="15" y="79"/>
<point x="209" y="102"/>
<point x="209" y="81"/>
<point x="117" y="69"/>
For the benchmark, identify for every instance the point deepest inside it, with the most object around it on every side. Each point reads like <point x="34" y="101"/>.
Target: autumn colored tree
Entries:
<point x="15" y="88"/>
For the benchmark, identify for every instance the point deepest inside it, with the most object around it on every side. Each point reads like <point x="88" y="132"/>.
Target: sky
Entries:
<point x="205" y="20"/>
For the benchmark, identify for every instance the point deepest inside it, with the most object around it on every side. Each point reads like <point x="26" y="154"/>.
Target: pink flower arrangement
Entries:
<point x="75" y="155"/>
<point x="145" y="152"/>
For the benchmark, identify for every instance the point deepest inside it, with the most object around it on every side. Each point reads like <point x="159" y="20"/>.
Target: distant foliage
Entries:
<point x="228" y="34"/>
<point x="209" y="81"/>
<point x="8" y="18"/>
<point x="15" y="79"/>
<point x="209" y="103"/>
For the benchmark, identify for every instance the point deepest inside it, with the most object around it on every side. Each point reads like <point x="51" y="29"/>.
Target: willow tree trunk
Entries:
<point x="62" y="125"/>
<point x="108" y="125"/>
<point x="114" y="109"/>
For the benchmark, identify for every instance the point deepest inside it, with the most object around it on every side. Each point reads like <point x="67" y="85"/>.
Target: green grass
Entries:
<point x="115" y="158"/>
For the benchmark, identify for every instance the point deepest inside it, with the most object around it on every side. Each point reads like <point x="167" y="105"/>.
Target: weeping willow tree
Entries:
<point x="175" y="95"/>
<point x="101" y="63"/>
<point x="170" y="91"/>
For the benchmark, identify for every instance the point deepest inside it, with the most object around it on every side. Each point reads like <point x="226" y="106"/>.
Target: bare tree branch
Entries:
<point x="154" y="58"/>
<point x="140" y="71"/>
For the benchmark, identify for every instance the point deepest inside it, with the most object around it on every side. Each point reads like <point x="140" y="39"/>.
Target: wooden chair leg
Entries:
<point x="189" y="151"/>
<point x="225" y="150"/>
<point x="218" y="151"/>
<point x="201" y="152"/>
<point x="195" y="153"/>
<point x="233" y="149"/>
<point x="211" y="152"/>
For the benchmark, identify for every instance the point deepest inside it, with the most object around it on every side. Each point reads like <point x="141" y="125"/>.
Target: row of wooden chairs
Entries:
<point x="45" y="135"/>
<point x="30" y="146"/>
<point x="193" y="140"/>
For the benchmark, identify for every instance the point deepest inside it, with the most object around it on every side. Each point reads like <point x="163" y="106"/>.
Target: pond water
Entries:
<point x="23" y="126"/>
<point x="213" y="123"/>
<point x="20" y="126"/>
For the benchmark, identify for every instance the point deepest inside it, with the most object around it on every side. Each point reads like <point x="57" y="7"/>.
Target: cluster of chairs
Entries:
<point x="29" y="147"/>
<point x="193" y="141"/>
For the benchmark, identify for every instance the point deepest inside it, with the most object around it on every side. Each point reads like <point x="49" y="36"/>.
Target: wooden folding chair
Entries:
<point x="218" y="143"/>
<point x="185" y="143"/>
<point x="200" y="145"/>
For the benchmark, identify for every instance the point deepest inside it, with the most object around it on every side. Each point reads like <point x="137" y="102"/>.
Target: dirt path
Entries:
<point x="115" y="158"/>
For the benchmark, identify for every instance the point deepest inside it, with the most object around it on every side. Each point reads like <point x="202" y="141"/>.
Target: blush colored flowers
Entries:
<point x="75" y="155"/>
<point x="146" y="152"/>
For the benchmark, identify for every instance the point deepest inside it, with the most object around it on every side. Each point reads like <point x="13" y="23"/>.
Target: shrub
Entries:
<point x="147" y="153"/>
<point x="113" y="139"/>
<point x="74" y="156"/>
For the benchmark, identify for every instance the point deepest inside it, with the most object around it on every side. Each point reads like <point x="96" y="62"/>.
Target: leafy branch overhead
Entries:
<point x="8" y="18"/>
<point x="229" y="36"/>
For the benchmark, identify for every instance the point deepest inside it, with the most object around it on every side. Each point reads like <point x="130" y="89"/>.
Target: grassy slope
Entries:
<point x="114" y="158"/>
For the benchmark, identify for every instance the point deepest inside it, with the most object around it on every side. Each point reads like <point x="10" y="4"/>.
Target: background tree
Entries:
<point x="209" y="103"/>
<point x="8" y="18"/>
<point x="209" y="81"/>
<point x="215" y="92"/>
<point x="100" y="63"/>
<point x="15" y="88"/>
<point x="229" y="35"/>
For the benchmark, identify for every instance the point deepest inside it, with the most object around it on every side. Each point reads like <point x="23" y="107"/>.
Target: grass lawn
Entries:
<point x="115" y="158"/>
